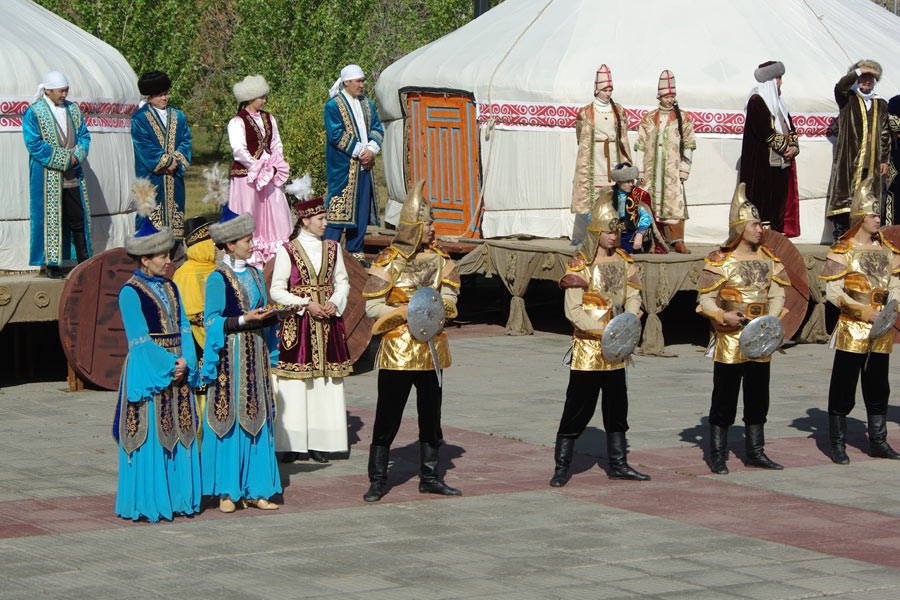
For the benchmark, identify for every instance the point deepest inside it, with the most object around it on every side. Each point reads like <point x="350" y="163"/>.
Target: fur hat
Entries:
<point x="252" y="87"/>
<point x="742" y="211"/>
<point x="867" y="63"/>
<point x="231" y="226"/>
<point x="666" y="85"/>
<point x="769" y="70"/>
<point x="624" y="172"/>
<point x="153" y="82"/>
<point x="147" y="240"/>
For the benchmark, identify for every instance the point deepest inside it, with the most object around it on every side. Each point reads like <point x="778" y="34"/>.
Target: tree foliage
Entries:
<point x="206" y="46"/>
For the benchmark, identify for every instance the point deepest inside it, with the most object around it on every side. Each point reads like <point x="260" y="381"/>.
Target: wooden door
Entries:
<point x="443" y="149"/>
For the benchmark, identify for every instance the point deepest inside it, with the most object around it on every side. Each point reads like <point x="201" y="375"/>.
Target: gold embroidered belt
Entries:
<point x="169" y="341"/>
<point x="749" y="309"/>
<point x="299" y="290"/>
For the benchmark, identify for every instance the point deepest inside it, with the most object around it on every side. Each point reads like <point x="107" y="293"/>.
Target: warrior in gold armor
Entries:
<point x="861" y="274"/>
<point x="412" y="261"/>
<point x="600" y="282"/>
<point x="741" y="281"/>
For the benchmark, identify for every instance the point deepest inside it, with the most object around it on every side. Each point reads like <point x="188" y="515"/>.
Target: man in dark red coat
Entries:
<point x="768" y="150"/>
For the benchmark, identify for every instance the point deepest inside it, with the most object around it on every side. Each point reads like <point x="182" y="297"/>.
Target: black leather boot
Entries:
<point x="378" y="468"/>
<point x="754" y="441"/>
<point x="878" y="446"/>
<point x="618" y="464"/>
<point x="837" y="429"/>
<point x="319" y="457"/>
<point x="429" y="481"/>
<point x="718" y="449"/>
<point x="80" y="243"/>
<point x="565" y="446"/>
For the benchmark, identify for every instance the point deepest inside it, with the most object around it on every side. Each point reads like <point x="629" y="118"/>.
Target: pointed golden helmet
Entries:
<point x="415" y="213"/>
<point x="864" y="202"/>
<point x="603" y="218"/>
<point x="742" y="211"/>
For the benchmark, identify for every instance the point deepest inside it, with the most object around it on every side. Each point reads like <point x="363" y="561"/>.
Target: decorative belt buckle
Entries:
<point x="756" y="309"/>
<point x="878" y="297"/>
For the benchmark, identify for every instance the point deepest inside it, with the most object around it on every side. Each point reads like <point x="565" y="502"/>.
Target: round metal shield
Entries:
<point x="620" y="337"/>
<point x="885" y="320"/>
<point x="761" y="337"/>
<point x="425" y="314"/>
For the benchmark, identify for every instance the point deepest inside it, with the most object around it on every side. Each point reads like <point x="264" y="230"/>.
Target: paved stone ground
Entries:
<point x="814" y="530"/>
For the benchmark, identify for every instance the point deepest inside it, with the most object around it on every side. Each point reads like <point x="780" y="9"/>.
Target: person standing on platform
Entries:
<point x="861" y="272"/>
<point x="600" y="282"/>
<point x="156" y="418"/>
<point x="57" y="141"/>
<point x="863" y="146"/>
<point x="741" y="281"/>
<point x="162" y="151"/>
<point x="666" y="137"/>
<point x="313" y="358"/>
<point x="354" y="135"/>
<point x="413" y="261"/>
<point x="890" y="211"/>
<point x="259" y="169"/>
<point x="241" y="347"/>
<point x="768" y="150"/>
<point x="601" y="129"/>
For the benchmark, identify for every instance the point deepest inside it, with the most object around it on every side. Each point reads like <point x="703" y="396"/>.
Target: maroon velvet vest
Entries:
<point x="258" y="141"/>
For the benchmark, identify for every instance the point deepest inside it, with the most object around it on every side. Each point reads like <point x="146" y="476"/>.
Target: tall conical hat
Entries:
<point x="742" y="211"/>
<point x="863" y="203"/>
<point x="415" y="213"/>
<point x="666" y="85"/>
<point x="603" y="218"/>
<point x="603" y="79"/>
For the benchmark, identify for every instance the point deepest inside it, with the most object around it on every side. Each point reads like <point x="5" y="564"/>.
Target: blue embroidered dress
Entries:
<point x="51" y="241"/>
<point x="238" y="446"/>
<point x="156" y="144"/>
<point x="156" y="420"/>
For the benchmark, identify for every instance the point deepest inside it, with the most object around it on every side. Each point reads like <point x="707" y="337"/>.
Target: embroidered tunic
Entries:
<point x="664" y="168"/>
<point x="600" y="148"/>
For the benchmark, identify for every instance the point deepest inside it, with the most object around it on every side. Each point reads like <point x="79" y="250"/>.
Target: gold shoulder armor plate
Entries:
<point x="841" y="247"/>
<point x="889" y="244"/>
<point x="624" y="255"/>
<point x="576" y="263"/>
<point x="717" y="257"/>
<point x="768" y="252"/>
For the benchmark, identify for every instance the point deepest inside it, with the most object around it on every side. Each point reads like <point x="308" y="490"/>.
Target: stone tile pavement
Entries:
<point x="814" y="530"/>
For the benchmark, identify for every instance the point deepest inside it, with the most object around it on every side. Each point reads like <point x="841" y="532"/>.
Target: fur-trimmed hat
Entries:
<point x="252" y="87"/>
<point x="624" y="172"/>
<point x="231" y="226"/>
<point x="147" y="240"/>
<point x="153" y="82"/>
<point x="769" y="70"/>
<point x="868" y="63"/>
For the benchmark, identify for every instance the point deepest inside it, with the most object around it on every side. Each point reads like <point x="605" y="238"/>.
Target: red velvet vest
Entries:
<point x="257" y="141"/>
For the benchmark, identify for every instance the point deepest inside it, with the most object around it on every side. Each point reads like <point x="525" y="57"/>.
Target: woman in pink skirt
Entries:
<point x="259" y="169"/>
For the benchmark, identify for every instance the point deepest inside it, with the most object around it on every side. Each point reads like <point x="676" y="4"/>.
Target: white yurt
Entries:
<point x="34" y="41"/>
<point x="487" y="112"/>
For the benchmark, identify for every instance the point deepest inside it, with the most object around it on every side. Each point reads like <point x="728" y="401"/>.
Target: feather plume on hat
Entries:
<point x="144" y="194"/>
<point x="217" y="186"/>
<point x="300" y="187"/>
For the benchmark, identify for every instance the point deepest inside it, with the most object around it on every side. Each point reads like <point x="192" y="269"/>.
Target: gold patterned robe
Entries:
<point x="860" y="280"/>
<point x="393" y="279"/>
<point x="597" y="146"/>
<point x="750" y="284"/>
<point x="595" y="294"/>
<point x="664" y="168"/>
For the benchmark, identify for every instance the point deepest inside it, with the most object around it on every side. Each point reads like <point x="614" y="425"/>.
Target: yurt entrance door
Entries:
<point x="443" y="148"/>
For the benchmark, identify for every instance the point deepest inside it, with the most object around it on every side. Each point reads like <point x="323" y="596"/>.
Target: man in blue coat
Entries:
<point x="354" y="138"/>
<point x="57" y="140"/>
<point x="162" y="151"/>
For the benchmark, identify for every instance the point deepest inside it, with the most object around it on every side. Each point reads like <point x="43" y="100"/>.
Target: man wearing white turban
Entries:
<point x="354" y="137"/>
<point x="57" y="140"/>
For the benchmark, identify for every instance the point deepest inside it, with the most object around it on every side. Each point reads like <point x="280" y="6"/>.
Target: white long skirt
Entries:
<point x="311" y="414"/>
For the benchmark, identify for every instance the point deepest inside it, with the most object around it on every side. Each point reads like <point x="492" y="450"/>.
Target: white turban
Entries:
<point x="52" y="81"/>
<point x="348" y="73"/>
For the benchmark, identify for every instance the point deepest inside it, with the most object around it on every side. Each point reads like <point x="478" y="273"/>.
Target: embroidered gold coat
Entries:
<point x="393" y="279"/>
<point x="664" y="168"/>
<point x="608" y="150"/>
<point x="595" y="294"/>
<point x="750" y="284"/>
<point x="860" y="279"/>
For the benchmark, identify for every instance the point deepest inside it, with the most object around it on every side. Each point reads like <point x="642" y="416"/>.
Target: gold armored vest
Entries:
<point x="866" y="281"/>
<point x="746" y="290"/>
<point x="603" y="300"/>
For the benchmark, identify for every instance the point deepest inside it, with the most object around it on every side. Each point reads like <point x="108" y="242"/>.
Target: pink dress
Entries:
<point x="257" y="175"/>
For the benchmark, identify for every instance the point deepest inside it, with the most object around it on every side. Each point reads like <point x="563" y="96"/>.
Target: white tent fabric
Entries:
<point x="530" y="64"/>
<point x="34" y="41"/>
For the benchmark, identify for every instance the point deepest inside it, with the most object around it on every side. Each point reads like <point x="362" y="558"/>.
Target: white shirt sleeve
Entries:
<point x="238" y="140"/>
<point x="281" y="274"/>
<point x="341" y="285"/>
<point x="276" y="146"/>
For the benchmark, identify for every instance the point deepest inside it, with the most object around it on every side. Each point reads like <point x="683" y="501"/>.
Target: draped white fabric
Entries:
<point x="713" y="48"/>
<point x="34" y="41"/>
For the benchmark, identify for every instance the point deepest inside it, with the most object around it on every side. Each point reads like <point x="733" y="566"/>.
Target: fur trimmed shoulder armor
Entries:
<point x="577" y="262"/>
<point x="768" y="252"/>
<point x="841" y="247"/>
<point x="385" y="256"/>
<point x="717" y="257"/>
<point x="624" y="255"/>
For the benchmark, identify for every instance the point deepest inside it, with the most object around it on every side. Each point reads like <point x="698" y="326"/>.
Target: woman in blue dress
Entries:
<point x="241" y="347"/>
<point x="156" y="419"/>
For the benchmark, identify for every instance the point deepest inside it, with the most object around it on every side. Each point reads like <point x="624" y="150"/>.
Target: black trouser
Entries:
<point x="727" y="379"/>
<point x="581" y="401"/>
<point x="72" y="209"/>
<point x="393" y="391"/>
<point x="875" y="386"/>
